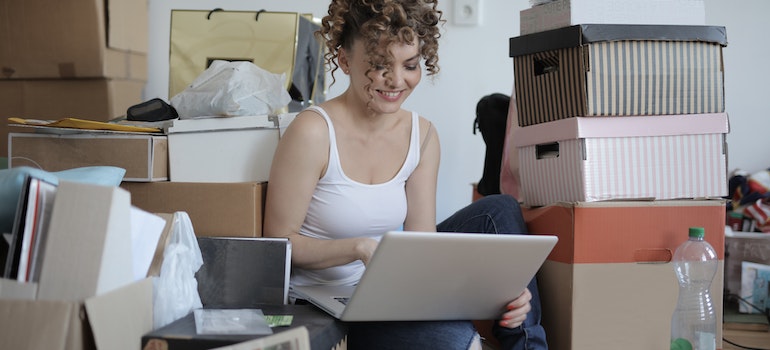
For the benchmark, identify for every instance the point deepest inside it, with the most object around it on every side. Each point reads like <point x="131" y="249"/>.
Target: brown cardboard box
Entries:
<point x="87" y="297"/>
<point x="91" y="99"/>
<point x="618" y="70"/>
<point x="74" y="39"/>
<point x="562" y="13"/>
<point x="115" y="320"/>
<point x="609" y="283"/>
<point x="143" y="156"/>
<point x="215" y="209"/>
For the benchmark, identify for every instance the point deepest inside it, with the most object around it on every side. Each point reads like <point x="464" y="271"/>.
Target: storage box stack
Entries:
<point x="214" y="169"/>
<point x="72" y="58"/>
<point x="621" y="149"/>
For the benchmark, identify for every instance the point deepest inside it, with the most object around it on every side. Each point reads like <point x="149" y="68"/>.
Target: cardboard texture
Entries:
<point x="116" y="320"/>
<point x="267" y="39"/>
<point x="232" y="149"/>
<point x="609" y="282"/>
<point x="143" y="156"/>
<point x="99" y="247"/>
<point x="623" y="158"/>
<point x="87" y="297"/>
<point x="92" y="99"/>
<point x="608" y="69"/>
<point x="564" y="13"/>
<point x="215" y="209"/>
<point x="740" y="247"/>
<point x="74" y="39"/>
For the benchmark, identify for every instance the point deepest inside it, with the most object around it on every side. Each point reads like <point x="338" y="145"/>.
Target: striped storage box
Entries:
<point x="612" y="70"/>
<point x="629" y="158"/>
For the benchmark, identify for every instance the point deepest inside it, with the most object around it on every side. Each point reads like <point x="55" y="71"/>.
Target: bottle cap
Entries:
<point x="681" y="344"/>
<point x="697" y="232"/>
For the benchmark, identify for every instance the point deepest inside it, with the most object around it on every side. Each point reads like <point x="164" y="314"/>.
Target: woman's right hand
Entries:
<point x="365" y="248"/>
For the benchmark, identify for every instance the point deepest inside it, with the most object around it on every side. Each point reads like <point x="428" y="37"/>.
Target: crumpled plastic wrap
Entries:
<point x="176" y="289"/>
<point x="227" y="89"/>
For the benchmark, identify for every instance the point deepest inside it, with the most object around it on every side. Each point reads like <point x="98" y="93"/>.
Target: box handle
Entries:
<point x="547" y="150"/>
<point x="546" y="65"/>
<point x="653" y="256"/>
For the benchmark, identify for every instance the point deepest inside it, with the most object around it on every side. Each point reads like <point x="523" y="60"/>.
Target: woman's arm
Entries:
<point x="421" y="185"/>
<point x="299" y="161"/>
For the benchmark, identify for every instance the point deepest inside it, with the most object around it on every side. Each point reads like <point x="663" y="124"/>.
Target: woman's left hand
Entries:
<point x="517" y="310"/>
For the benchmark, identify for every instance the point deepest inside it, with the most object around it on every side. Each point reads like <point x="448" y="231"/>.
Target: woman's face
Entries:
<point x="385" y="90"/>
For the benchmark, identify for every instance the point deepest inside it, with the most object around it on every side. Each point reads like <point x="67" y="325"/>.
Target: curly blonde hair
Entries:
<point x="381" y="23"/>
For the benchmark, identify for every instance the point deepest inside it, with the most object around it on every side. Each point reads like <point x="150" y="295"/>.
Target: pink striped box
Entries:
<point x="623" y="158"/>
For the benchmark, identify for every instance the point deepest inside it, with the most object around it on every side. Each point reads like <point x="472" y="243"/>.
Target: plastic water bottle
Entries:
<point x="693" y="324"/>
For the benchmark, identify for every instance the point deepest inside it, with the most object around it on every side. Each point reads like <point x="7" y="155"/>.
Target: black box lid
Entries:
<point x="582" y="34"/>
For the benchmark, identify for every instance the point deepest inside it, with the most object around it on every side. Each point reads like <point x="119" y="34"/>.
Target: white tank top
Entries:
<point x="344" y="208"/>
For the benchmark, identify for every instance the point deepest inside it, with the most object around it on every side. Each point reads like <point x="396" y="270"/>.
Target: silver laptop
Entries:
<point x="423" y="276"/>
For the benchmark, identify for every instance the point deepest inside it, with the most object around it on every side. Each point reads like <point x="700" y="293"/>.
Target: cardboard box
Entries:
<point x="621" y="158"/>
<point x="610" y="69"/>
<point x="564" y="13"/>
<point x="743" y="246"/>
<point x="143" y="156"/>
<point x="115" y="320"/>
<point x="609" y="283"/>
<point x="74" y="39"/>
<point x="215" y="209"/>
<point x="91" y="99"/>
<point x="230" y="149"/>
<point x="87" y="297"/>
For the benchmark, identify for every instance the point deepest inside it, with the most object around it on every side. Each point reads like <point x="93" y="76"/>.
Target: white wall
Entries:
<point x="474" y="62"/>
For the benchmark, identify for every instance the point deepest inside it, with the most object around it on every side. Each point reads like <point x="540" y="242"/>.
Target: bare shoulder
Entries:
<point x="427" y="129"/>
<point x="308" y="125"/>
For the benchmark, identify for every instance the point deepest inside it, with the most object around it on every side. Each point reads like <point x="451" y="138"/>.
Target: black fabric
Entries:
<point x="491" y="119"/>
<point x="151" y="111"/>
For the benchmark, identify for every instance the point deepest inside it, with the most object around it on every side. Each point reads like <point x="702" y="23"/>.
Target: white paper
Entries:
<point x="146" y="229"/>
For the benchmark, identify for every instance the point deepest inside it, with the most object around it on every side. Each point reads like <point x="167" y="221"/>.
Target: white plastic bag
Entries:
<point x="228" y="89"/>
<point x="176" y="289"/>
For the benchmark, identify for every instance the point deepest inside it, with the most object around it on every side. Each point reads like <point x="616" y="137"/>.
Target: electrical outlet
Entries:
<point x="467" y="12"/>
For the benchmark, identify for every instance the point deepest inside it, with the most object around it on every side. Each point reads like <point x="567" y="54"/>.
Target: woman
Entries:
<point x="358" y="165"/>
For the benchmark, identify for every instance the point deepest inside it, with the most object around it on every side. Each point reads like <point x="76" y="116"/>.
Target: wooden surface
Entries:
<point x="750" y="339"/>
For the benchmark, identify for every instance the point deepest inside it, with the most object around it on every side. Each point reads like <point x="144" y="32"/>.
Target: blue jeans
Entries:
<point x="502" y="214"/>
<point x="491" y="214"/>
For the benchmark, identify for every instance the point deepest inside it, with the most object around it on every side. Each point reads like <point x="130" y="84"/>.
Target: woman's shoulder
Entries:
<point x="308" y="123"/>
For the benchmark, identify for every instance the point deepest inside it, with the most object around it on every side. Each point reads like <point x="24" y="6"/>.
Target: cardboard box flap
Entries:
<point x="89" y="243"/>
<point x="621" y="126"/>
<point x="118" y="319"/>
<point x="12" y="289"/>
<point x="582" y="34"/>
<point x="40" y="325"/>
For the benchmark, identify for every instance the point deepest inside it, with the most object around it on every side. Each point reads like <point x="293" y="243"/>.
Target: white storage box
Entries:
<point x="224" y="149"/>
<point x="613" y="158"/>
<point x="564" y="13"/>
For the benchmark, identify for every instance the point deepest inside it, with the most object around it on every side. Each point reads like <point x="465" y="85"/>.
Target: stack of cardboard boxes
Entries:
<point x="74" y="58"/>
<point x="622" y="148"/>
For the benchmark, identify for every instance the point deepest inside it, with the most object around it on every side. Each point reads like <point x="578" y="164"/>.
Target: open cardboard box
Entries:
<point x="87" y="297"/>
